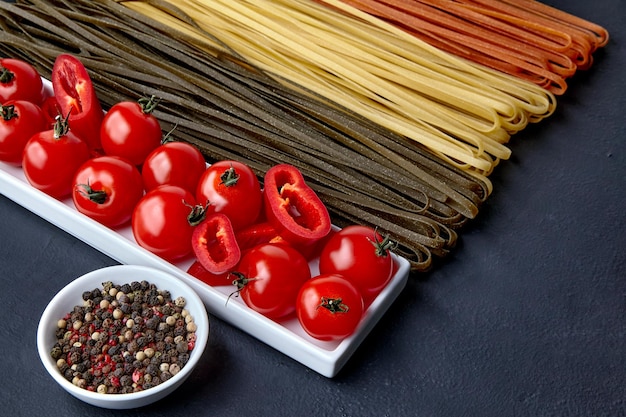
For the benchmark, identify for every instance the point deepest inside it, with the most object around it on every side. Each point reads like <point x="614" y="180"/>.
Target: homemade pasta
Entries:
<point x="462" y="111"/>
<point x="363" y="172"/>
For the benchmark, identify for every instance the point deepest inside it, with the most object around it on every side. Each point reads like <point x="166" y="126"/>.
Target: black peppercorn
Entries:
<point x="126" y="380"/>
<point x="112" y="345"/>
<point x="183" y="358"/>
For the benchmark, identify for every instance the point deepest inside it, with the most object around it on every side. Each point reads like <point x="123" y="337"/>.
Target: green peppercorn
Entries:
<point x="56" y="352"/>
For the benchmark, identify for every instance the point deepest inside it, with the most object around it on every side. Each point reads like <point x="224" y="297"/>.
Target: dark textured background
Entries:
<point x="527" y="317"/>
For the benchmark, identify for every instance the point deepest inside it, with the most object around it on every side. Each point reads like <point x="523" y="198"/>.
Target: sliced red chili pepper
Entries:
<point x="292" y="207"/>
<point x="215" y="245"/>
<point x="76" y="96"/>
<point x="51" y="110"/>
<point x="257" y="234"/>
<point x="313" y="249"/>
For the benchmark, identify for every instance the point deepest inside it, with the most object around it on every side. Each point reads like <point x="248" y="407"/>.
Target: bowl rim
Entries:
<point x="77" y="286"/>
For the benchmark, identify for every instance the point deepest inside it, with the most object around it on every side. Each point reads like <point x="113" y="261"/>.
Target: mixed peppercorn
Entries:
<point x="124" y="338"/>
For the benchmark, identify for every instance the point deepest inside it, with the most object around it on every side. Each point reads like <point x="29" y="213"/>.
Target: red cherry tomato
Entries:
<point x="329" y="307"/>
<point x="130" y="130"/>
<point x="52" y="157"/>
<point x="107" y="188"/>
<point x="173" y="163"/>
<point x="231" y="188"/>
<point x="362" y="255"/>
<point x="19" y="80"/>
<point x="163" y="221"/>
<point x="269" y="278"/>
<point x="76" y="97"/>
<point x="19" y="121"/>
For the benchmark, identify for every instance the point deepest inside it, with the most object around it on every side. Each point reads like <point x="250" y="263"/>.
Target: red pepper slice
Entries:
<point x="215" y="280"/>
<point x="257" y="234"/>
<point x="292" y="207"/>
<point x="215" y="245"/>
<point x="51" y="110"/>
<point x="76" y="95"/>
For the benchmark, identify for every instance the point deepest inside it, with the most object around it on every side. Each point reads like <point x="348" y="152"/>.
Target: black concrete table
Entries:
<point x="527" y="317"/>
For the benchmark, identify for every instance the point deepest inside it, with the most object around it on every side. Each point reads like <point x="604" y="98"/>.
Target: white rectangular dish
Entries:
<point x="288" y="337"/>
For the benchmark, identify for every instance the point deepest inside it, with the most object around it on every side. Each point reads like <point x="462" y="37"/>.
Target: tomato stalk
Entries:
<point x="6" y="76"/>
<point x="240" y="282"/>
<point x="230" y="177"/>
<point x="61" y="126"/>
<point x="8" y="112"/>
<point x="148" y="104"/>
<point x="167" y="138"/>
<point x="197" y="213"/>
<point x="97" y="196"/>
<point x="334" y="305"/>
<point x="383" y="247"/>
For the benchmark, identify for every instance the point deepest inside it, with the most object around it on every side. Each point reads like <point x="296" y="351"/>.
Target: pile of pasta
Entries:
<point x="363" y="172"/>
<point x="390" y="128"/>
<point x="462" y="111"/>
<point x="524" y="38"/>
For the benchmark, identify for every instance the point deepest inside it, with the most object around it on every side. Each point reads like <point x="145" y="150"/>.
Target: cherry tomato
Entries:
<point x="130" y="130"/>
<point x="232" y="188"/>
<point x="329" y="307"/>
<point x="52" y="157"/>
<point x="107" y="188"/>
<point x="173" y="163"/>
<point x="19" y="80"/>
<point x="362" y="255"/>
<point x="76" y="97"/>
<point x="164" y="219"/>
<point x="19" y="121"/>
<point x="269" y="278"/>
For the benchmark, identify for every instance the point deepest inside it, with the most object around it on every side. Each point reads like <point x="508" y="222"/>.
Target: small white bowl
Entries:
<point x="71" y="296"/>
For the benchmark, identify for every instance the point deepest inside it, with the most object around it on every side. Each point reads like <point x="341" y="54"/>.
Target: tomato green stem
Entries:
<point x="197" y="213"/>
<point x="168" y="136"/>
<point x="240" y="281"/>
<point x="8" y="112"/>
<point x="97" y="196"/>
<point x="6" y="76"/>
<point x="61" y="125"/>
<point x="229" y="177"/>
<point x="148" y="104"/>
<point x="383" y="247"/>
<point x="334" y="305"/>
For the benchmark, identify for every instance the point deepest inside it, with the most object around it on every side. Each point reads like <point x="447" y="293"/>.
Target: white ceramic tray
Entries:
<point x="288" y="337"/>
